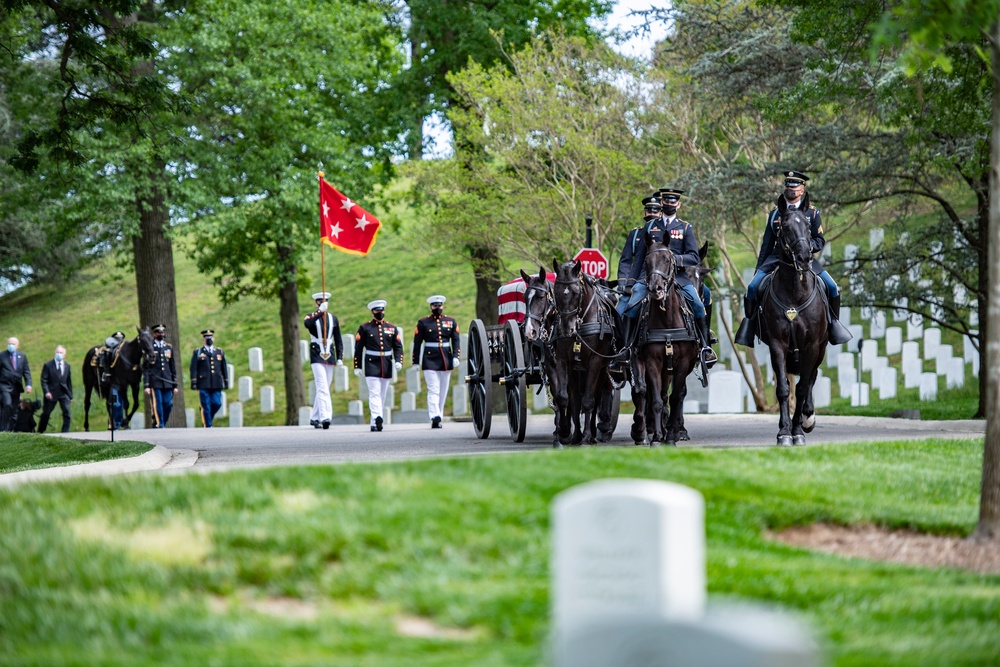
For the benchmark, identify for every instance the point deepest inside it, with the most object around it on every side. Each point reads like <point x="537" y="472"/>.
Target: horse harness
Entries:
<point x="668" y="336"/>
<point x="790" y="312"/>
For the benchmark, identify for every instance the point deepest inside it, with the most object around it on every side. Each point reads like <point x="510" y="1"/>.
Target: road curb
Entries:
<point x="156" y="458"/>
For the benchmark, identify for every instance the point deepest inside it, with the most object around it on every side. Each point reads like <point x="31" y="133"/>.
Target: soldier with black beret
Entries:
<point x="160" y="377"/>
<point x="378" y="349"/>
<point x="210" y="376"/>
<point x="438" y="334"/>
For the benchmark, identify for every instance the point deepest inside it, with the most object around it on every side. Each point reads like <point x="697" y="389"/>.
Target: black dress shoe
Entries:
<point x="378" y="423"/>
<point x="374" y="429"/>
<point x="436" y="422"/>
<point x="314" y="423"/>
<point x="326" y="424"/>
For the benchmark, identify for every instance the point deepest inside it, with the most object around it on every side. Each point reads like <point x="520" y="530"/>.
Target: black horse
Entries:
<point x="667" y="353"/>
<point x="126" y="371"/>
<point x="582" y="344"/>
<point x="795" y="327"/>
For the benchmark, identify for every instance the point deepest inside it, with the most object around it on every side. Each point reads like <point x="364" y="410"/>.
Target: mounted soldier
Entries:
<point x="793" y="198"/>
<point x="106" y="355"/>
<point x="679" y="235"/>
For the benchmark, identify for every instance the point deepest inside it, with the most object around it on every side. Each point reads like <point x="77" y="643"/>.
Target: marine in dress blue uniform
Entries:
<point x="326" y="352"/>
<point x="210" y="376"/>
<point x="378" y="349"/>
<point x="160" y="378"/>
<point x="439" y="337"/>
<point x="794" y="197"/>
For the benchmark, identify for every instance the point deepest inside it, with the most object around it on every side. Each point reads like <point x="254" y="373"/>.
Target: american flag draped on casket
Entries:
<point x="510" y="299"/>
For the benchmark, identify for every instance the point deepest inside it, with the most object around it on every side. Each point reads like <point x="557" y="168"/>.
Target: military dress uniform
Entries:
<point x="326" y="352"/>
<point x="160" y="378"/>
<point x="210" y="376"/>
<point x="378" y="348"/>
<point x="677" y="234"/>
<point x="439" y="337"/>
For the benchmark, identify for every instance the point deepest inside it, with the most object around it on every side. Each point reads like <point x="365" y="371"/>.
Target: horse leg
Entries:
<point x="682" y="434"/>
<point x="590" y="398"/>
<point x="805" y="414"/>
<point x="781" y="392"/>
<point x="576" y="406"/>
<point x="638" y="402"/>
<point x="605" y="407"/>
<point x="655" y="395"/>
<point x="86" y="404"/>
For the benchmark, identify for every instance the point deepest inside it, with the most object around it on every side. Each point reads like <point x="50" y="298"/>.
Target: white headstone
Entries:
<point x="968" y="348"/>
<point x="877" y="365"/>
<point x="866" y="313"/>
<point x="341" y="379"/>
<point x="691" y="407"/>
<point x="912" y="372"/>
<point x="846" y="374"/>
<point x="869" y="350"/>
<point x="189" y="417"/>
<point x="937" y="312"/>
<point x="224" y="410"/>
<point x="859" y="394"/>
<point x="833" y="355"/>
<point x="304" y="351"/>
<point x="390" y="397"/>
<point x="900" y="313"/>
<point x="827" y="253"/>
<point x="942" y="359"/>
<point x="407" y="401"/>
<point x="413" y="379"/>
<point x="266" y="399"/>
<point x="893" y="340"/>
<point x="387" y="415"/>
<point x="875" y="237"/>
<point x="725" y="392"/>
<point x="911" y="352"/>
<point x="356" y="408"/>
<point x="975" y="366"/>
<point x="955" y="377"/>
<point x="362" y="388"/>
<point x="236" y="415"/>
<point x="305" y="415"/>
<point x="877" y="326"/>
<point x="928" y="386"/>
<point x="246" y="388"/>
<point x="850" y="252"/>
<point x="915" y="327"/>
<point x="540" y="401"/>
<point x="857" y="335"/>
<point x="960" y="295"/>
<point x="231" y="374"/>
<point x="932" y="339"/>
<point x="821" y="393"/>
<point x="973" y="318"/>
<point x="887" y="384"/>
<point x="256" y="360"/>
<point x="845" y="315"/>
<point x="459" y="400"/>
<point x="627" y="550"/>
<point x="626" y="392"/>
<point x="348" y="340"/>
<point x="138" y="421"/>
<point x="311" y="390"/>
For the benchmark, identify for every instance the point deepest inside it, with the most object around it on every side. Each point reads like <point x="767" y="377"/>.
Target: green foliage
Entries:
<point x="26" y="451"/>
<point x="316" y="565"/>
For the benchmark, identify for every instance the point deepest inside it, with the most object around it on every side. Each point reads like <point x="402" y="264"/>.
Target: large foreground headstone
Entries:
<point x="256" y="359"/>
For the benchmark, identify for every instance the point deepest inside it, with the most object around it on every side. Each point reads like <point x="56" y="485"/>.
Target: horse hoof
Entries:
<point x="557" y="445"/>
<point x="683" y="436"/>
<point x="809" y="424"/>
<point x="798" y="440"/>
<point x="641" y="443"/>
<point x="784" y="441"/>
<point x="653" y="444"/>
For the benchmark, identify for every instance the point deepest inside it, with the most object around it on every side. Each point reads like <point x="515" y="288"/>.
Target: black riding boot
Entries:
<point x="707" y="353"/>
<point x="748" y="327"/>
<point x="838" y="332"/>
<point x="621" y="360"/>
<point x="712" y="339"/>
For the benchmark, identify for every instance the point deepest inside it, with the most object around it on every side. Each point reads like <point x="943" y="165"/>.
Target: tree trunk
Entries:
<point x="983" y="299"/>
<point x="295" y="394"/>
<point x="486" y="265"/>
<point x="154" y="280"/>
<point x="989" y="500"/>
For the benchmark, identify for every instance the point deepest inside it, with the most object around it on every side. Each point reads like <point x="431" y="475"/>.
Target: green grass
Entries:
<point x="25" y="451"/>
<point x="311" y="565"/>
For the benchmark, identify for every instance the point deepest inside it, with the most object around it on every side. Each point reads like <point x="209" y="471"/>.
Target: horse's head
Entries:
<point x="539" y="305"/>
<point x="568" y="295"/>
<point x="145" y="341"/>
<point x="661" y="265"/>
<point x="795" y="239"/>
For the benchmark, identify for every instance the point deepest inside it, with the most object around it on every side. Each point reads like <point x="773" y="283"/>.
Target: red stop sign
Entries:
<point x="593" y="262"/>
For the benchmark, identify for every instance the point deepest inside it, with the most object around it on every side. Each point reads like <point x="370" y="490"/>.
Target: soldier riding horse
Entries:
<point x="125" y="371"/>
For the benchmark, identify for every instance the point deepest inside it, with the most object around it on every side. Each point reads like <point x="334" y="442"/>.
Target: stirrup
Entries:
<point x="709" y="357"/>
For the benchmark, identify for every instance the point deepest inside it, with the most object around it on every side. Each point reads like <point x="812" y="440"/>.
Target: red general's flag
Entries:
<point x="343" y="224"/>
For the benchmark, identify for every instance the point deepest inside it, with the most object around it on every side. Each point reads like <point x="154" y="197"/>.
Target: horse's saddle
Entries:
<point x="687" y="333"/>
<point x="765" y="290"/>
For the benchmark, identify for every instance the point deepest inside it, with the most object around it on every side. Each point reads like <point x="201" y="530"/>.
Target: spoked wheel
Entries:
<point x="480" y="380"/>
<point x="516" y="388"/>
<point x="616" y="408"/>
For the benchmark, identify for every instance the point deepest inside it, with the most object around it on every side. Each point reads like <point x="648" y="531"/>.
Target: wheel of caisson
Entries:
<point x="480" y="380"/>
<point x="514" y="384"/>
<point x="616" y="407"/>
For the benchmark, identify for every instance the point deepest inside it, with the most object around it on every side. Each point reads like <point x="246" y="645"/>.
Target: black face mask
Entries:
<point x="379" y="316"/>
<point x="437" y="311"/>
<point x="209" y="341"/>
<point x="790" y="194"/>
<point x="670" y="210"/>
<point x="158" y="336"/>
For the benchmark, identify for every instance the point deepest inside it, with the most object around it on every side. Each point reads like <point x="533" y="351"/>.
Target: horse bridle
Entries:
<point x="656" y="272"/>
<point x="561" y="314"/>
<point x="549" y="307"/>
<point x="788" y="249"/>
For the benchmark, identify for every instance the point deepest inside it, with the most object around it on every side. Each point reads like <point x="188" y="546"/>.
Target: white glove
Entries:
<point x="323" y="306"/>
<point x="357" y="372"/>
<point x="455" y="361"/>
<point x="340" y="362"/>
<point x="399" y="365"/>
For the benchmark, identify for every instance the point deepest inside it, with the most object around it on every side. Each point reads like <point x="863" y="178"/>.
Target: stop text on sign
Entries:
<point x="592" y="262"/>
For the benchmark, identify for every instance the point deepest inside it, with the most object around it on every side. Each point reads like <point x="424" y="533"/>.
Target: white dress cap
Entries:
<point x="321" y="295"/>
<point x="437" y="298"/>
<point x="376" y="304"/>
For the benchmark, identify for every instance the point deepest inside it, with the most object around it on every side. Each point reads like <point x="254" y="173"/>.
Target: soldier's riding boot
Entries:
<point x="707" y="353"/>
<point x="104" y="367"/>
<point x="838" y="332"/>
<point x="748" y="327"/>
<point x="712" y="338"/>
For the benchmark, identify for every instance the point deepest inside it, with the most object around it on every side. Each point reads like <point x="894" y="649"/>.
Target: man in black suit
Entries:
<point x="14" y="373"/>
<point x="57" y="386"/>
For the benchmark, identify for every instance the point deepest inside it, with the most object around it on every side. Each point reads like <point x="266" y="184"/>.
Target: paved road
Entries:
<point x="291" y="445"/>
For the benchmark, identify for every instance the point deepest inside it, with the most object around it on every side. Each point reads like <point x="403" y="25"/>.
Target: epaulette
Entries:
<point x="811" y="207"/>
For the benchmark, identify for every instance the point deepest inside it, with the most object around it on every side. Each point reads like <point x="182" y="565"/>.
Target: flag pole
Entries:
<point x="322" y="246"/>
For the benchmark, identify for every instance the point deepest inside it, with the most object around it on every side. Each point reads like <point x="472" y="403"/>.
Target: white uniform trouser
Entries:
<point x="377" y="389"/>
<point x="437" y="392"/>
<point x="322" y="405"/>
